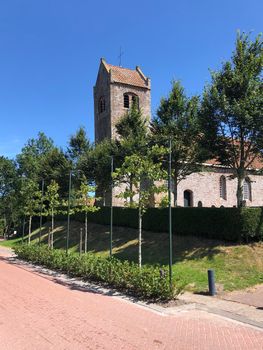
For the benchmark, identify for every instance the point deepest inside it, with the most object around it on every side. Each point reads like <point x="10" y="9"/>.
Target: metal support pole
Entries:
<point x="23" y="232"/>
<point x="80" y="241"/>
<point x="111" y="207"/>
<point x="41" y="209"/>
<point x="69" y="197"/>
<point x="211" y="282"/>
<point x="170" y="214"/>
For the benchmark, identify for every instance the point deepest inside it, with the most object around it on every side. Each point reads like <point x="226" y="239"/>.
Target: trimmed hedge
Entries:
<point x="230" y="224"/>
<point x="146" y="282"/>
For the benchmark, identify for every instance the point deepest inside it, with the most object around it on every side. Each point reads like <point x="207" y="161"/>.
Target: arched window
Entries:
<point x="188" y="198"/>
<point x="247" y="190"/>
<point x="199" y="204"/>
<point x="222" y="184"/>
<point x="126" y="101"/>
<point x="102" y="105"/>
<point x="130" y="98"/>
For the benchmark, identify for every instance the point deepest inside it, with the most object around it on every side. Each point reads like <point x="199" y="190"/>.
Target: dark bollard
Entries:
<point x="211" y="282"/>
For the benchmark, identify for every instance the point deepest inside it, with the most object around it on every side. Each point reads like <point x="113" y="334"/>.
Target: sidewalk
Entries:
<point x="236" y="308"/>
<point x="242" y="306"/>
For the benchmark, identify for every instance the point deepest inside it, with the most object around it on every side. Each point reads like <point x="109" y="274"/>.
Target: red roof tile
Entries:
<point x="127" y="76"/>
<point x="256" y="164"/>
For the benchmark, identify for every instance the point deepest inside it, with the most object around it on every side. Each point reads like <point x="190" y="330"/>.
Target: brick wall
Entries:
<point x="205" y="187"/>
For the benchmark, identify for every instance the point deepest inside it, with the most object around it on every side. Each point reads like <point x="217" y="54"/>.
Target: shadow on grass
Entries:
<point x="155" y="246"/>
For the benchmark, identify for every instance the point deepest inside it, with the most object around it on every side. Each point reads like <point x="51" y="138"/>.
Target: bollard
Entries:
<point x="211" y="282"/>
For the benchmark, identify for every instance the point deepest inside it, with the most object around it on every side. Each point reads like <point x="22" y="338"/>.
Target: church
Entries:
<point x="115" y="90"/>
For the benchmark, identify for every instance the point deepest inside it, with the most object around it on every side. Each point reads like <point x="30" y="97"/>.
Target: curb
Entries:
<point x="164" y="311"/>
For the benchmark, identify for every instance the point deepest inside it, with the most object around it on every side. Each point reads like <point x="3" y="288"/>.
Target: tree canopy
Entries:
<point x="232" y="110"/>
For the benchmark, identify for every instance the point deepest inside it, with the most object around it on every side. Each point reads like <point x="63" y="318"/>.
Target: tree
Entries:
<point x="8" y="193"/>
<point x="133" y="138"/>
<point x="55" y="166"/>
<point x="29" y="160"/>
<point x="96" y="165"/>
<point x="146" y="174"/>
<point x="86" y="204"/>
<point x="232" y="110"/>
<point x="78" y="145"/>
<point x="31" y="201"/>
<point x="41" y="159"/>
<point x="52" y="197"/>
<point x="177" y="118"/>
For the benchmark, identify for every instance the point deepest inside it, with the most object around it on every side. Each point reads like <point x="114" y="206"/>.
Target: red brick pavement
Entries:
<point x="38" y="313"/>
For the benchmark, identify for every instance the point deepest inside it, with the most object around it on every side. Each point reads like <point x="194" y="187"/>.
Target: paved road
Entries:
<point x="37" y="312"/>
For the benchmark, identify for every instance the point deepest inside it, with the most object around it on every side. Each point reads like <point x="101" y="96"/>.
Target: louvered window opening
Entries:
<point x="126" y="101"/>
<point x="247" y="190"/>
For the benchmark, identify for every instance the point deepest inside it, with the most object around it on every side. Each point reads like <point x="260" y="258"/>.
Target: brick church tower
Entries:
<point x="115" y="90"/>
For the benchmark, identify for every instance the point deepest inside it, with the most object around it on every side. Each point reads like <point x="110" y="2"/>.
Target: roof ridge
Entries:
<point x="127" y="76"/>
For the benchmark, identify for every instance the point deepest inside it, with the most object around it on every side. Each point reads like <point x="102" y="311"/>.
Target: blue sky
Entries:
<point x="50" y="51"/>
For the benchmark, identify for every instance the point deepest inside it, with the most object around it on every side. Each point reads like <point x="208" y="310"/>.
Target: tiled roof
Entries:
<point x="256" y="164"/>
<point x="127" y="76"/>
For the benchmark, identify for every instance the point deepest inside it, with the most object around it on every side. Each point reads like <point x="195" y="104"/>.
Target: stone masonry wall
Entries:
<point x="205" y="187"/>
<point x="102" y="120"/>
<point x="117" y="109"/>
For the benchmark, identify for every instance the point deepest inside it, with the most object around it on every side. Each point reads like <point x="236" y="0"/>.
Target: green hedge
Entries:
<point x="230" y="224"/>
<point x="146" y="282"/>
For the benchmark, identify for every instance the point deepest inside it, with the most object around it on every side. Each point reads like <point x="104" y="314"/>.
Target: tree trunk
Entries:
<point x="86" y="233"/>
<point x="29" y="229"/>
<point x="240" y="187"/>
<point x="140" y="238"/>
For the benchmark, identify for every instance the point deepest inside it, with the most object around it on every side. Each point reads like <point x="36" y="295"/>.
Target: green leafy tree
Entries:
<point x="32" y="154"/>
<point x="56" y="166"/>
<point x="86" y="204"/>
<point x="52" y="198"/>
<point x="146" y="175"/>
<point x="132" y="138"/>
<point x="96" y="165"/>
<point x="232" y="110"/>
<point x="31" y="201"/>
<point x="177" y="119"/>
<point x="8" y="193"/>
<point x="78" y="145"/>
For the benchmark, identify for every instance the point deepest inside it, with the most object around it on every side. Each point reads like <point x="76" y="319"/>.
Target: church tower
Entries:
<point x="115" y="90"/>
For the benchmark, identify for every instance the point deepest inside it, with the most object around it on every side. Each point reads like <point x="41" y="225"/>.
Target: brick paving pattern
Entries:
<point x="39" y="312"/>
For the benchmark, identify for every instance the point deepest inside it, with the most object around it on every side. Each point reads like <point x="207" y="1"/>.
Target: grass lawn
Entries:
<point x="236" y="266"/>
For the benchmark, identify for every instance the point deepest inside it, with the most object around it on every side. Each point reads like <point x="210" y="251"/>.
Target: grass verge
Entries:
<point x="236" y="266"/>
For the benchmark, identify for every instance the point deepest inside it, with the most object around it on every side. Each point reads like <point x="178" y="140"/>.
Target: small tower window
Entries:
<point x="247" y="190"/>
<point x="222" y="185"/>
<point x="126" y="101"/>
<point x="102" y="105"/>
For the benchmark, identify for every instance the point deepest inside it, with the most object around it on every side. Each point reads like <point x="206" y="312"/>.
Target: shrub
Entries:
<point x="146" y="282"/>
<point x="230" y="224"/>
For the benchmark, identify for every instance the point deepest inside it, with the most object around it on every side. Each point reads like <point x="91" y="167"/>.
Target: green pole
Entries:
<point x="170" y="214"/>
<point x="111" y="207"/>
<point x="41" y="209"/>
<point x="23" y="232"/>
<point x="69" y="196"/>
